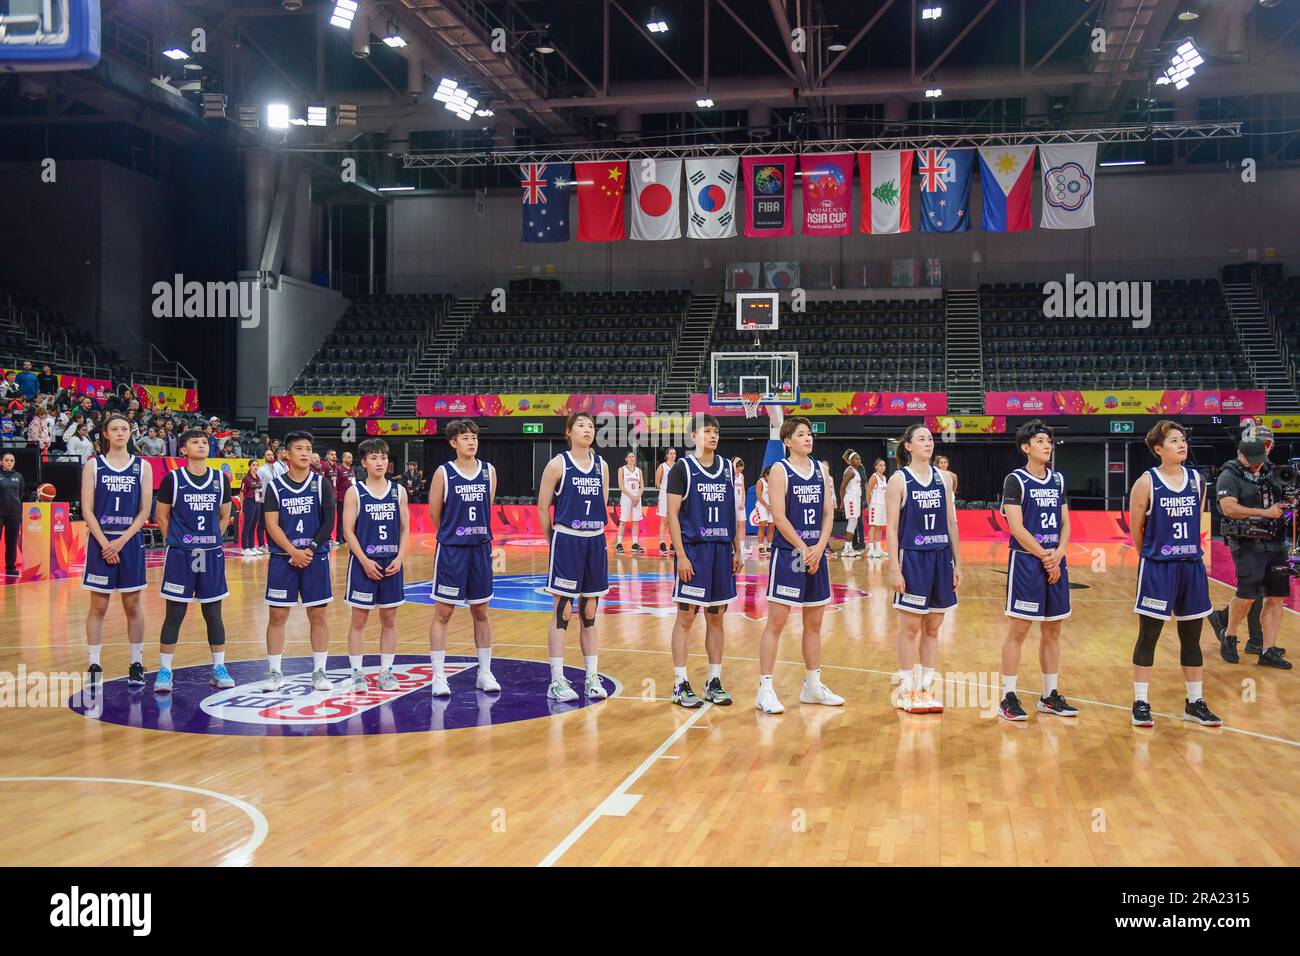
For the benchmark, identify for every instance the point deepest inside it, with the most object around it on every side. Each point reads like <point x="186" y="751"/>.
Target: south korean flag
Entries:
<point x="711" y="186"/>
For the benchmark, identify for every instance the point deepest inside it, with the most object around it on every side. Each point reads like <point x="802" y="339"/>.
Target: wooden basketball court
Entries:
<point x="637" y="781"/>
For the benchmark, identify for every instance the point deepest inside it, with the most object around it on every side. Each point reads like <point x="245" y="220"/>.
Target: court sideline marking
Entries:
<point x="242" y="856"/>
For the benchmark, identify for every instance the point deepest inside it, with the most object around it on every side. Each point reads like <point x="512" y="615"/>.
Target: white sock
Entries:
<point x="715" y="670"/>
<point x="164" y="662"/>
<point x="813" y="678"/>
<point x="927" y="677"/>
<point x="765" y="682"/>
<point x="95" y="650"/>
<point x="557" y="668"/>
<point x="438" y="659"/>
<point x="273" y="661"/>
<point x="679" y="675"/>
<point x="218" y="658"/>
<point x="589" y="661"/>
<point x="1049" y="684"/>
<point x="1009" y="684"/>
<point x="386" y="661"/>
<point x="1140" y="691"/>
<point x="318" y="659"/>
<point x="1193" y="690"/>
<point x="905" y="680"/>
<point x="485" y="660"/>
<point x="137" y="653"/>
<point x="355" y="660"/>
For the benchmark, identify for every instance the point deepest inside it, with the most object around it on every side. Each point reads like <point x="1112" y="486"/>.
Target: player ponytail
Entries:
<point x="901" y="455"/>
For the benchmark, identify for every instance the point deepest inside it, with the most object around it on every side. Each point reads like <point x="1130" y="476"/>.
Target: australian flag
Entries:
<point x="945" y="188"/>
<point x="546" y="202"/>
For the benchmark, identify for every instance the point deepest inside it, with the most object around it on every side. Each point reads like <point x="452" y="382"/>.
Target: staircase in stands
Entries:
<point x="963" y="352"/>
<point x="433" y="363"/>
<point x="1263" y="346"/>
<point x="689" y="354"/>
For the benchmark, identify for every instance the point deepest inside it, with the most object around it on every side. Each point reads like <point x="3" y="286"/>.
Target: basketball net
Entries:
<point x="750" y="403"/>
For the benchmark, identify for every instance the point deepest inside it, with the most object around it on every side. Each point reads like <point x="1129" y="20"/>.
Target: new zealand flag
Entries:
<point x="945" y="188"/>
<point x="546" y="202"/>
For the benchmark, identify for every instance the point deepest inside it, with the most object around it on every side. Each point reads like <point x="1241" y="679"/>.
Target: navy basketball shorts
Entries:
<point x="287" y="585"/>
<point x="789" y="583"/>
<point x="126" y="575"/>
<point x="713" y="583"/>
<point x="462" y="574"/>
<point x="194" y="575"/>
<point x="365" y="592"/>
<point x="1173" y="590"/>
<point x="927" y="581"/>
<point x="579" y="565"/>
<point x="1029" y="596"/>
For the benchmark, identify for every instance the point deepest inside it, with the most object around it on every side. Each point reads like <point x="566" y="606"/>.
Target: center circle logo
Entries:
<point x="296" y="710"/>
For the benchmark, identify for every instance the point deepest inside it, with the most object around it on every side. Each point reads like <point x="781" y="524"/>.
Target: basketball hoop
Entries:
<point x="750" y="402"/>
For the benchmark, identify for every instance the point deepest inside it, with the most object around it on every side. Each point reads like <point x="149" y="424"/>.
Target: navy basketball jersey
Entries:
<point x="379" y="522"/>
<point x="195" y="522"/>
<point x="1041" y="501"/>
<point x="1173" y="528"/>
<point x="805" y="496"/>
<point x="708" y="510"/>
<point x="466" y="506"/>
<point x="299" y="508"/>
<point x="923" y="521"/>
<point x="580" y="497"/>
<point x="117" y="495"/>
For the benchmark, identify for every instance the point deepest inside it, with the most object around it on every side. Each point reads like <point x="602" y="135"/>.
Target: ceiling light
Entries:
<point x="277" y="116"/>
<point x="344" y="11"/>
<point x="1182" y="65"/>
<point x="248" y="115"/>
<point x="484" y="111"/>
<point x="704" y="103"/>
<point x="316" y="115"/>
<point x="394" y="39"/>
<point x="175" y="53"/>
<point x="655" y="24"/>
<point x="933" y="94"/>
<point x="395" y="189"/>
<point x="931" y="13"/>
<point x="1188" y="15"/>
<point x="345" y="114"/>
<point x="1124" y="162"/>
<point x="836" y="44"/>
<point x="214" y="106"/>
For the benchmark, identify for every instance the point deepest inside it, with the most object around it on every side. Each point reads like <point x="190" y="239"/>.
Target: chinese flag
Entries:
<point x="600" y="201"/>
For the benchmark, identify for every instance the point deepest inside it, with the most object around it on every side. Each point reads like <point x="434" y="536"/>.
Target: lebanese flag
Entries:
<point x="886" y="179"/>
<point x="656" y="184"/>
<point x="600" y="201"/>
<point x="1006" y="180"/>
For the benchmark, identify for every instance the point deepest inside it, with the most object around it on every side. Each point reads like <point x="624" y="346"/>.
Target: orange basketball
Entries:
<point x="45" y="492"/>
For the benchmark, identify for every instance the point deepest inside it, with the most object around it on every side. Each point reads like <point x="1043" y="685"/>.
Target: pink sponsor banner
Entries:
<point x="769" y="195"/>
<point x="97" y="388"/>
<point x="819" y="404"/>
<point x="827" y="185"/>
<point x="1125" y="402"/>
<point x="531" y="404"/>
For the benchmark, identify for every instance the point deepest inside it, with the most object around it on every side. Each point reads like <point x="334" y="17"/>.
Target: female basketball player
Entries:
<point x="461" y="493"/>
<point x="116" y="497"/>
<point x="1038" y="582"/>
<point x="738" y="479"/>
<point x="851" y="495"/>
<point x="630" y="484"/>
<point x="799" y="576"/>
<point x="193" y="511"/>
<point x="762" y="514"/>
<point x="941" y="462"/>
<point x="661" y="509"/>
<point x="876" y="509"/>
<point x="1165" y="518"/>
<point x="924" y="563"/>
<point x="376" y="529"/>
<point x="704" y="523"/>
<point x="577" y="483"/>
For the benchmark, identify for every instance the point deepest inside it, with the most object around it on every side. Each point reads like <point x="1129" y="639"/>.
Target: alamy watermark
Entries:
<point x="639" y="430"/>
<point x="40" y="689"/>
<point x="238" y="299"/>
<point x="1098" y="300"/>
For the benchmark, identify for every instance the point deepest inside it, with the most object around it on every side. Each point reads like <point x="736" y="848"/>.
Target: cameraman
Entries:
<point x="1245" y="490"/>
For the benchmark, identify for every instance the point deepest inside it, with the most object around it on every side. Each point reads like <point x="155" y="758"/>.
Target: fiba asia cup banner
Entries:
<point x="326" y="406"/>
<point x="967" y="424"/>
<point x="769" y="196"/>
<point x="821" y="404"/>
<point x="167" y="396"/>
<point x="401" y="426"/>
<point x="827" y="184"/>
<point x="49" y="546"/>
<point x="561" y="403"/>
<point x="97" y="388"/>
<point x="1144" y="402"/>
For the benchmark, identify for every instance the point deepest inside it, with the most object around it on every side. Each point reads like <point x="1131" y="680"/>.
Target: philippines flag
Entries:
<point x="886" y="184"/>
<point x="945" y="189"/>
<point x="545" y="201"/>
<point x="1006" y="179"/>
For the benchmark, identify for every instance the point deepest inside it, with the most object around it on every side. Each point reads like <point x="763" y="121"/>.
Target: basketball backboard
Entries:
<point x="772" y="376"/>
<point x="38" y="36"/>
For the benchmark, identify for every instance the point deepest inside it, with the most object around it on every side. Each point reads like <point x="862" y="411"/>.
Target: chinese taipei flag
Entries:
<point x="1006" y="179"/>
<point x="711" y="188"/>
<point x="656" y="183"/>
<point x="769" y="185"/>
<point x="1068" y="176"/>
<point x="827" y="193"/>
<point x="600" y="201"/>
<point x="886" y="185"/>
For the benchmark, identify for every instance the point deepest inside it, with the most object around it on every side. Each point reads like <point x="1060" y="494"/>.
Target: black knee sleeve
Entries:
<point x="717" y="609"/>
<point x="687" y="608"/>
<point x="216" y="626"/>
<point x="588" y="611"/>
<point x="171" y="629"/>
<point x="1189" y="639"/>
<point x="561" y="621"/>
<point x="1144" y="652"/>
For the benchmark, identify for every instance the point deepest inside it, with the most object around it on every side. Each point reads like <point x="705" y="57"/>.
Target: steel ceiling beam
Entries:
<point x="787" y="38"/>
<point x="929" y="70"/>
<point x="854" y="42"/>
<point x="658" y="49"/>
<point x="1069" y="32"/>
<point x="761" y="45"/>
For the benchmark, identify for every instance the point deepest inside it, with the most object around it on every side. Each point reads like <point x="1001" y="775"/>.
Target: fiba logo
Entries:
<point x="1013" y="402"/>
<point x="440" y="405"/>
<point x="33" y="513"/>
<point x="897" y="403"/>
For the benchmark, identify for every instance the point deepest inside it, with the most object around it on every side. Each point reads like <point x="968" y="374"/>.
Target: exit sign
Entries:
<point x="1121" y="428"/>
<point x="535" y="428"/>
<point x="819" y="428"/>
